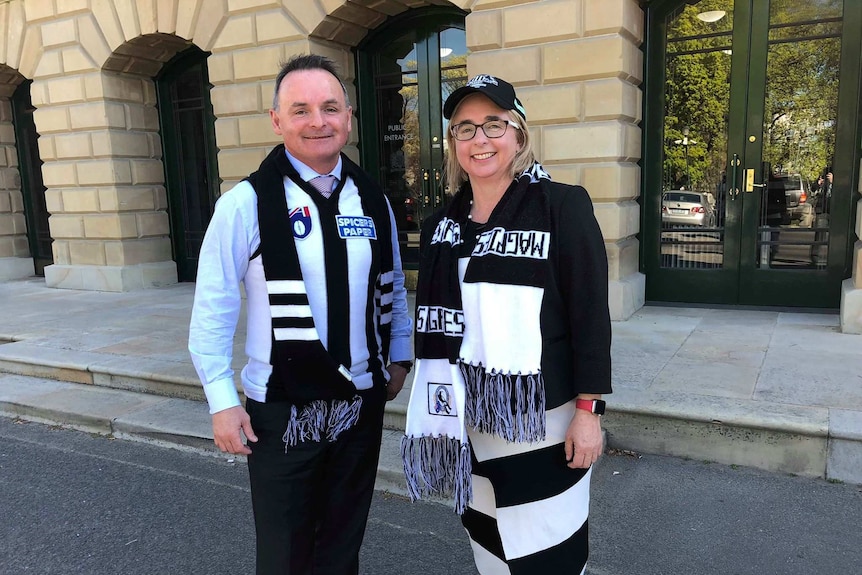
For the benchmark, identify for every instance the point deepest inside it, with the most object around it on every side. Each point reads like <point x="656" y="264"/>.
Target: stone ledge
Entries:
<point x="782" y="452"/>
<point x="395" y="415"/>
<point x="764" y="435"/>
<point x="81" y="407"/>
<point x="171" y="422"/>
<point x="845" y="424"/>
<point x="147" y="375"/>
<point x="34" y="354"/>
<point x="180" y="373"/>
<point x="153" y="385"/>
<point x="851" y="307"/>
<point x="36" y="370"/>
<point x="16" y="268"/>
<point x="626" y="296"/>
<point x="111" y="278"/>
<point x="844" y="460"/>
<point x="722" y="411"/>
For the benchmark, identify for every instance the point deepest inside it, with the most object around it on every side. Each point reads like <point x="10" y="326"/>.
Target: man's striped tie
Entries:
<point x="323" y="184"/>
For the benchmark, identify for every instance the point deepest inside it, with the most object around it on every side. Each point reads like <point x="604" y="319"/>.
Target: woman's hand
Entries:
<point x="583" y="439"/>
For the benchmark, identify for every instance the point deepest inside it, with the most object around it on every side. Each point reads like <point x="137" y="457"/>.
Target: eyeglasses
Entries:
<point x="491" y="128"/>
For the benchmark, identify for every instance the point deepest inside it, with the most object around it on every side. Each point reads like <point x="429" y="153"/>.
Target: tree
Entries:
<point x="801" y="91"/>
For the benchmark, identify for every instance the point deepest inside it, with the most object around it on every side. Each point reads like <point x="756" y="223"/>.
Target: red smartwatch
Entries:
<point x="596" y="406"/>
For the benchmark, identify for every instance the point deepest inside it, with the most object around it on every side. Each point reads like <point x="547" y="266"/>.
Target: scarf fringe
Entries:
<point x="510" y="406"/>
<point x="438" y="466"/>
<point x="321" y="419"/>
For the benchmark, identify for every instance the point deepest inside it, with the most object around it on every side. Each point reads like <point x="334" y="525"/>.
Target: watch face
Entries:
<point x="596" y="406"/>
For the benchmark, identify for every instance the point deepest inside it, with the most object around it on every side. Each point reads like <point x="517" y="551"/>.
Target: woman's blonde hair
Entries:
<point x="455" y="174"/>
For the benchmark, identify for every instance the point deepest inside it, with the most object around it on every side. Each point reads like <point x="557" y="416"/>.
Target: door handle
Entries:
<point x="436" y="191"/>
<point x="734" y="167"/>
<point x="750" y="184"/>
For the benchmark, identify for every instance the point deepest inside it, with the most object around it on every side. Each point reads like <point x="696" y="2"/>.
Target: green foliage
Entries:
<point x="697" y="97"/>
<point x="801" y="102"/>
<point x="801" y="91"/>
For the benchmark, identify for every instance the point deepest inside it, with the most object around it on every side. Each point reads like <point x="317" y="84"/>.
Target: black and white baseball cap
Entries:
<point x="498" y="91"/>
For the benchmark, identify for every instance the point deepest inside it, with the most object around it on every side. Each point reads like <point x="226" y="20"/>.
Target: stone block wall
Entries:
<point x="576" y="63"/>
<point x="851" y="289"/>
<point x="100" y="143"/>
<point x="242" y="69"/>
<point x="93" y="62"/>
<point x="577" y="67"/>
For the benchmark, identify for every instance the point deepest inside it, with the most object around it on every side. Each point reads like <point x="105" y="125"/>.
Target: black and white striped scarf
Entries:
<point x="316" y="380"/>
<point x="478" y="349"/>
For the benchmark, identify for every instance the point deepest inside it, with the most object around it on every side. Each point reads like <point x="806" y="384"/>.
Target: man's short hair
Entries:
<point x="307" y="62"/>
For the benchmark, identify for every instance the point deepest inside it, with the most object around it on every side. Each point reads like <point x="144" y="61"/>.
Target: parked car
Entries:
<point x="796" y="194"/>
<point x="684" y="208"/>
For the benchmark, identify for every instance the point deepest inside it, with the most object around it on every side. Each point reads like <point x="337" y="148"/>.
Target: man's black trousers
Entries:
<point x="311" y="504"/>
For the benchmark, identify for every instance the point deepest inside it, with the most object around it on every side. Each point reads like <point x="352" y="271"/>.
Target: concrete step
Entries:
<point x="774" y="437"/>
<point x="159" y="377"/>
<point x="140" y="374"/>
<point x="805" y="440"/>
<point x="167" y="421"/>
<point x="174" y="421"/>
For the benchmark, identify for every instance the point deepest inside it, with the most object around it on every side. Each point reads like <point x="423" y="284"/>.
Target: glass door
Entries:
<point x="407" y="70"/>
<point x="748" y="175"/>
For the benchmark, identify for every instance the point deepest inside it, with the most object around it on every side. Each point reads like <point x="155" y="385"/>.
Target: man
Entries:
<point x="326" y="308"/>
<point x="824" y="191"/>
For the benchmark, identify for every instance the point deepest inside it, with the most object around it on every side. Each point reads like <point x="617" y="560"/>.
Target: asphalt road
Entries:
<point x="74" y="503"/>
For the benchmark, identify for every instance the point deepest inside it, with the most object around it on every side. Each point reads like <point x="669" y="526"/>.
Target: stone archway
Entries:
<point x="245" y="62"/>
<point x="92" y="65"/>
<point x="577" y="67"/>
<point x="345" y="26"/>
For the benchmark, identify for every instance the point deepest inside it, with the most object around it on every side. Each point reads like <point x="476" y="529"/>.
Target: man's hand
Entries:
<point x="583" y="439"/>
<point x="397" y="375"/>
<point x="227" y="425"/>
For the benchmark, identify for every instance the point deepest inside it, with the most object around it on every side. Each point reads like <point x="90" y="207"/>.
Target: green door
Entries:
<point x="751" y="155"/>
<point x="407" y="68"/>
<point x="30" y="169"/>
<point x="189" y="154"/>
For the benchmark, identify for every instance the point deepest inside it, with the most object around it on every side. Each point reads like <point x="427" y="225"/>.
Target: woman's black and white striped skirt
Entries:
<point x="529" y="510"/>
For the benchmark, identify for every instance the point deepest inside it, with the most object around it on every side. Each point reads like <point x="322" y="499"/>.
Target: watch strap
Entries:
<point x="406" y="364"/>
<point x="596" y="406"/>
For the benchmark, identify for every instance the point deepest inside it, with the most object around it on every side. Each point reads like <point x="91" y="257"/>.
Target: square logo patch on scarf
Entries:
<point x="441" y="399"/>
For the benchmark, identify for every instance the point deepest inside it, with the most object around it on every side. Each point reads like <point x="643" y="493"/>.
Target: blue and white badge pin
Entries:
<point x="300" y="219"/>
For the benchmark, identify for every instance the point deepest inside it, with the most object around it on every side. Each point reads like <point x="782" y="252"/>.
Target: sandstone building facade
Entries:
<point x="141" y="112"/>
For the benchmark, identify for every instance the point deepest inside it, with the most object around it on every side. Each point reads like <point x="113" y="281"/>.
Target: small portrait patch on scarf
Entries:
<point x="350" y="227"/>
<point x="441" y="399"/>
<point x="300" y="219"/>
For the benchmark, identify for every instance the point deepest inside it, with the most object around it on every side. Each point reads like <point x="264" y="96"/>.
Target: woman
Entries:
<point x="512" y="345"/>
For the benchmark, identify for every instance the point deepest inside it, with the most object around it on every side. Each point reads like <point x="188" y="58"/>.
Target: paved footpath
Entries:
<point x="775" y="390"/>
<point x="75" y="503"/>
